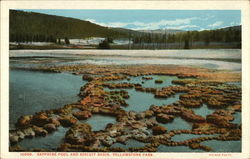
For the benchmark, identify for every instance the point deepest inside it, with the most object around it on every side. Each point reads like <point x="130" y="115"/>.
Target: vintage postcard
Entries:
<point x="123" y="79"/>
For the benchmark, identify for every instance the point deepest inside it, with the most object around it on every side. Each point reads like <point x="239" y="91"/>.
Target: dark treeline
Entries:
<point x="36" y="27"/>
<point x="27" y="26"/>
<point x="32" y="38"/>
<point x="225" y="35"/>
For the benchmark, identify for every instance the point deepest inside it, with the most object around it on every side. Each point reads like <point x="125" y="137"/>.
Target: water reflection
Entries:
<point x="99" y="122"/>
<point x="32" y="92"/>
<point x="178" y="124"/>
<point x="164" y="148"/>
<point x="237" y="118"/>
<point x="203" y="110"/>
<point x="141" y="101"/>
<point x="183" y="137"/>
<point x="51" y="141"/>
<point x="129" y="143"/>
<point x="223" y="146"/>
<point x="167" y="81"/>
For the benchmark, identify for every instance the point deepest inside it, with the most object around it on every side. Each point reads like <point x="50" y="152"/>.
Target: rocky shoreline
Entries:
<point x="199" y="86"/>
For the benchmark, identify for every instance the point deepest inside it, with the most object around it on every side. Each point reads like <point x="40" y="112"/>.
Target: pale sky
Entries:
<point x="154" y="19"/>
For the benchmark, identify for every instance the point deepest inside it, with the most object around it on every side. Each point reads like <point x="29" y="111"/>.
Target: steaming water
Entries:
<point x="228" y="59"/>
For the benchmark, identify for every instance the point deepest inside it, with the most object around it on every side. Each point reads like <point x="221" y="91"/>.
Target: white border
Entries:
<point x="244" y="6"/>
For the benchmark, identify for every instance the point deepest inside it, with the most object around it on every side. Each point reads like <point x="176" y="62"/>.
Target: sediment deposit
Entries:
<point x="203" y="86"/>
